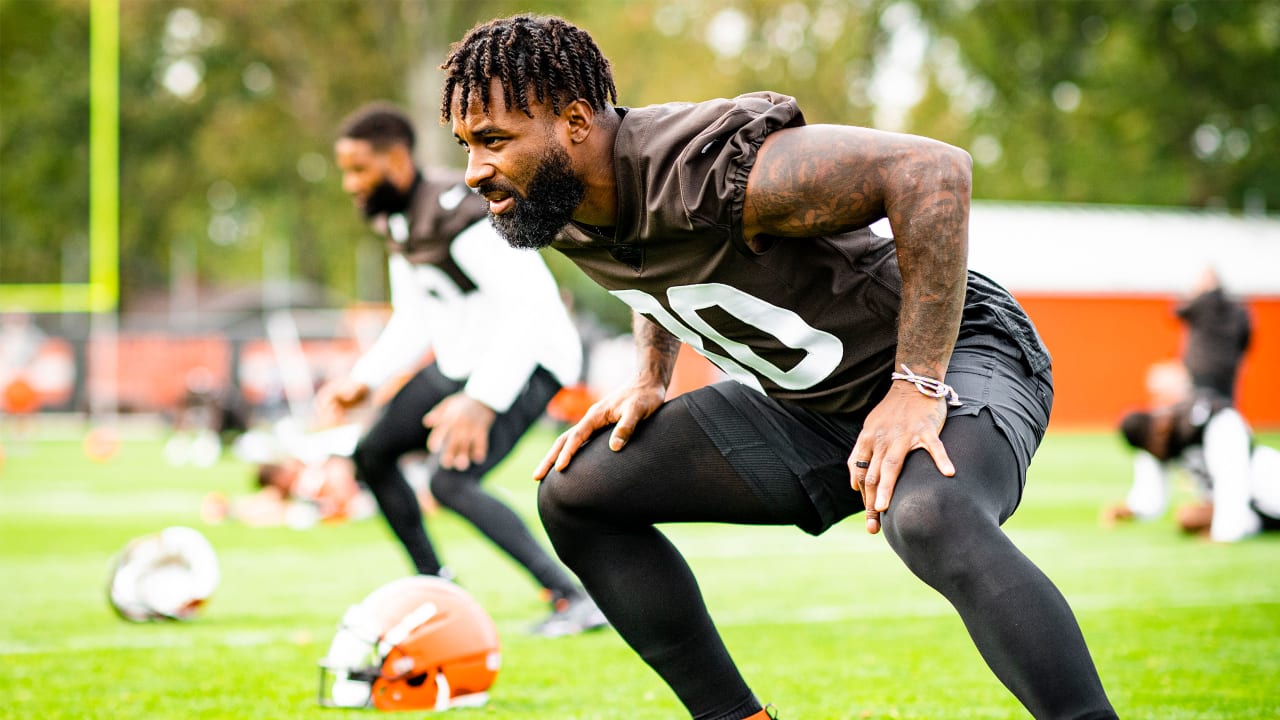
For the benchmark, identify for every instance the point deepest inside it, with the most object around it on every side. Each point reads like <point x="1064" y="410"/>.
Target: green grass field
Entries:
<point x="1180" y="628"/>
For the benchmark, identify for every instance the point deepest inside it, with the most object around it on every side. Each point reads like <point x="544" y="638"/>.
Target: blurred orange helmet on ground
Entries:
<point x="417" y="643"/>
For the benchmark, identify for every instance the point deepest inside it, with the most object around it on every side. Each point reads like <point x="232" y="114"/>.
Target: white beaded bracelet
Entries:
<point x="929" y="386"/>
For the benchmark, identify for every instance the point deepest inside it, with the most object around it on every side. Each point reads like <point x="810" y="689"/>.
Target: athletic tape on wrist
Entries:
<point x="928" y="386"/>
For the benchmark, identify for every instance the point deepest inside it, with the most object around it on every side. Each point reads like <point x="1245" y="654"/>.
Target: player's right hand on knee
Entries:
<point x="623" y="408"/>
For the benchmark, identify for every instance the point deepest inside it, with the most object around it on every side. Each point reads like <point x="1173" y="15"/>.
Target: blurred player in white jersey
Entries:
<point x="501" y="342"/>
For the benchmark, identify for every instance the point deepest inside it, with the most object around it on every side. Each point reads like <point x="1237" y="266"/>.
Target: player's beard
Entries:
<point x="536" y="217"/>
<point x="386" y="199"/>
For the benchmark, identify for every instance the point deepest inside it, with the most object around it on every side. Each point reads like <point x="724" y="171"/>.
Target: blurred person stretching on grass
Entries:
<point x="732" y="226"/>
<point x="1237" y="478"/>
<point x="502" y="341"/>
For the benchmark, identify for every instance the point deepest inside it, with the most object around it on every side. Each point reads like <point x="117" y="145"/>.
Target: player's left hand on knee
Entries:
<point x="904" y="421"/>
<point x="459" y="431"/>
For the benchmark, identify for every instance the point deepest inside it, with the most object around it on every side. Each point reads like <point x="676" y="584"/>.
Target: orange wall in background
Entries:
<point x="1103" y="345"/>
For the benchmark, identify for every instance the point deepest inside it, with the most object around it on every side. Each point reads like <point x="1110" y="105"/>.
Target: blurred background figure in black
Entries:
<point x="1218" y="333"/>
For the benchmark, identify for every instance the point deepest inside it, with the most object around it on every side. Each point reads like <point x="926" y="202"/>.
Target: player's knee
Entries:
<point x="451" y="489"/>
<point x="913" y="522"/>
<point x="553" y="499"/>
<point x="923" y="519"/>
<point x="563" y="498"/>
<point x="555" y="510"/>
<point x="372" y="459"/>
<point x="934" y="531"/>
<point x="361" y="458"/>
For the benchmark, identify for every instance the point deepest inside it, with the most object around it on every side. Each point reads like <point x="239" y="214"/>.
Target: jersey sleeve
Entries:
<point x="727" y="150"/>
<point x="691" y="161"/>
<point x="525" y="319"/>
<point x="407" y="335"/>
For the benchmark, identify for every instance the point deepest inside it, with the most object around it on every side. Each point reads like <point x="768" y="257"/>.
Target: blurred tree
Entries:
<point x="1159" y="102"/>
<point x="44" y="141"/>
<point x="228" y="109"/>
<point x="820" y="51"/>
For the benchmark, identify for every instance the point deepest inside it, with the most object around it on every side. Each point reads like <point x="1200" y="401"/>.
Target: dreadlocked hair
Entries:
<point x="558" y="61"/>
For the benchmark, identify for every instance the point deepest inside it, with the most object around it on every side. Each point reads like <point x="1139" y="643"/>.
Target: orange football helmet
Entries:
<point x="417" y="643"/>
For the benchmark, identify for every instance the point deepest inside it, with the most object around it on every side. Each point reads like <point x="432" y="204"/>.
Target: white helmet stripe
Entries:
<point x="407" y="624"/>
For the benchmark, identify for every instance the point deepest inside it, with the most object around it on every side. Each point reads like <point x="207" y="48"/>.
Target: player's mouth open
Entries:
<point x="500" y="202"/>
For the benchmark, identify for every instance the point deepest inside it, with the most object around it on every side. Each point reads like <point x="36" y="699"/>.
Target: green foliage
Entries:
<point x="828" y="628"/>
<point x="1155" y="102"/>
<point x="225" y="165"/>
<point x="1152" y="102"/>
<point x="44" y="131"/>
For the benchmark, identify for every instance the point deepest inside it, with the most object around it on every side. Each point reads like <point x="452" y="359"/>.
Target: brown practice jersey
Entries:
<point x="812" y="320"/>
<point x="441" y="207"/>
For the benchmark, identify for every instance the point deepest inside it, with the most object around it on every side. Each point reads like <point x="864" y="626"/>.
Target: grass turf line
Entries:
<point x="1180" y="628"/>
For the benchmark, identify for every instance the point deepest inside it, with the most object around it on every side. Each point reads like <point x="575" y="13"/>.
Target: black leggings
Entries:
<point x="601" y="511"/>
<point x="399" y="431"/>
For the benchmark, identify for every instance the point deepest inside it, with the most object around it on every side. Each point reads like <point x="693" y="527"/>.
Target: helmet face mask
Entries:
<point x="419" y="643"/>
<point x="352" y="664"/>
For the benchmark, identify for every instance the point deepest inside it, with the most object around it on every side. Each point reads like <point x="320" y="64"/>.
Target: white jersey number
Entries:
<point x="822" y="349"/>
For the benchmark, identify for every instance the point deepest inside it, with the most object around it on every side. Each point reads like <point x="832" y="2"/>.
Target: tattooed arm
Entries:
<point x="625" y="407"/>
<point x="656" y="351"/>
<point x="822" y="179"/>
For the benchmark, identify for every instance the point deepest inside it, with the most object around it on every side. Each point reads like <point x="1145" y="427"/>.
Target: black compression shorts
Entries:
<point x="774" y="444"/>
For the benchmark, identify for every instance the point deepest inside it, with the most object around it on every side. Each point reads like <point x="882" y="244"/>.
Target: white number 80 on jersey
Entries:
<point x="822" y="349"/>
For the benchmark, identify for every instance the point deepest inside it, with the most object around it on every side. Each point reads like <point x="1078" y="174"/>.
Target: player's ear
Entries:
<point x="401" y="169"/>
<point x="400" y="156"/>
<point x="580" y="118"/>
